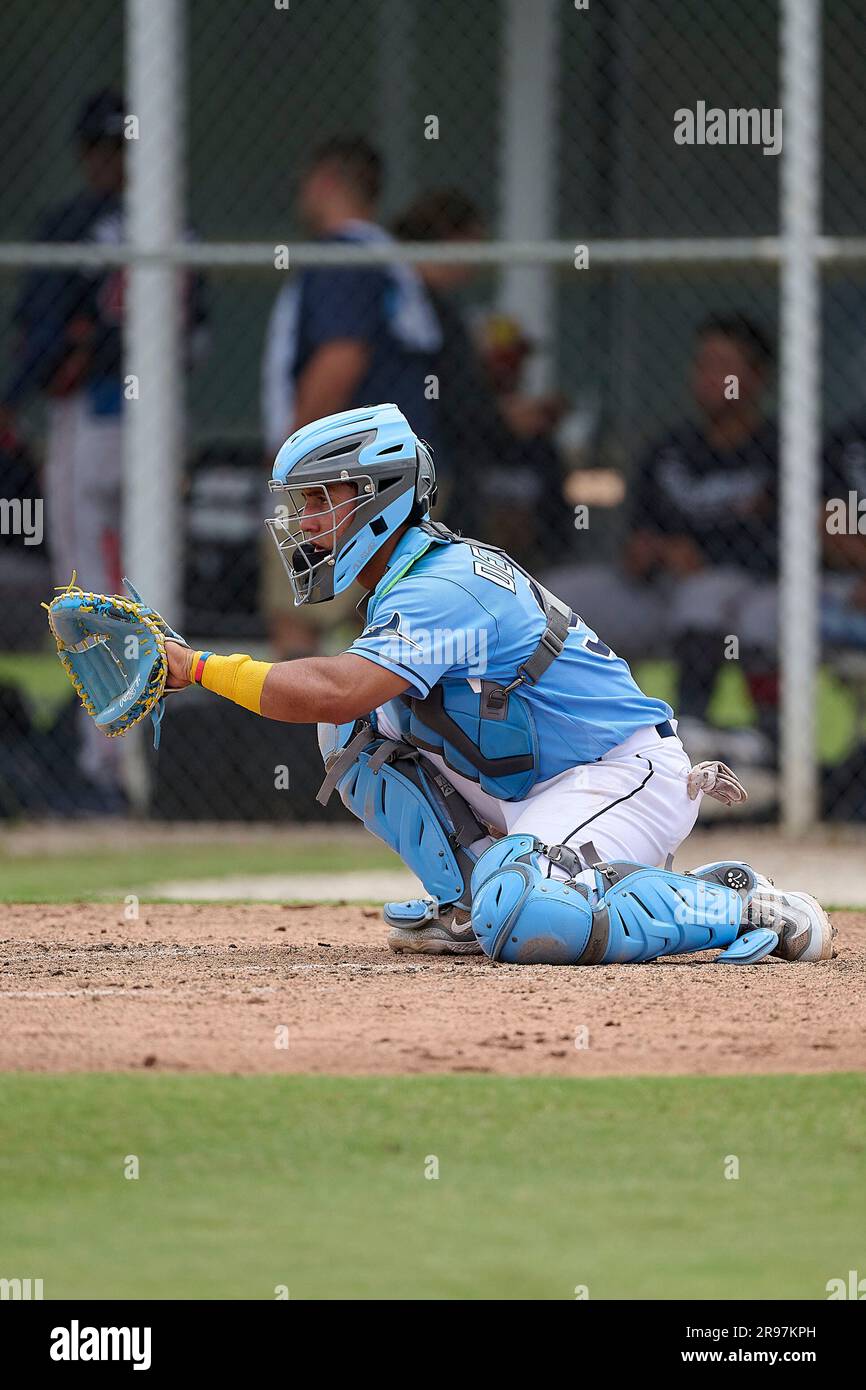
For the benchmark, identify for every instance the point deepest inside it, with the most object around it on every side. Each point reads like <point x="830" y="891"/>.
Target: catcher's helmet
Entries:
<point x="373" y="447"/>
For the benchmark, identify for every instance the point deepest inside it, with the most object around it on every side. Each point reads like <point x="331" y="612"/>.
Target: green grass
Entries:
<point x="114" y="873"/>
<point x="317" y="1183"/>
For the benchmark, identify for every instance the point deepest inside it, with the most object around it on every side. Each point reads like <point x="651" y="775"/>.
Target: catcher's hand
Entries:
<point x="113" y="651"/>
<point x="179" y="657"/>
<point x="718" y="781"/>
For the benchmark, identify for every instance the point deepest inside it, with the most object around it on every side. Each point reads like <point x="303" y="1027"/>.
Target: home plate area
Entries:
<point x="314" y="989"/>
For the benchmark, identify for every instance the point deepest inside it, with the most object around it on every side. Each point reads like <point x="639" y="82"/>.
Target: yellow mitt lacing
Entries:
<point x="155" y="685"/>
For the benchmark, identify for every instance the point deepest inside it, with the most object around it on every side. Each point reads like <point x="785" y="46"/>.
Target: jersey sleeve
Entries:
<point x="425" y="628"/>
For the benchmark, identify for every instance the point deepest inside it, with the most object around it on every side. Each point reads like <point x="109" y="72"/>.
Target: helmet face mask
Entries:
<point x="375" y="451"/>
<point x="310" y="559"/>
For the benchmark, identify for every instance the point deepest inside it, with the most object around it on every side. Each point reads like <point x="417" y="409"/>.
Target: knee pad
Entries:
<point x="522" y="917"/>
<point x="634" y="913"/>
<point x="418" y="814"/>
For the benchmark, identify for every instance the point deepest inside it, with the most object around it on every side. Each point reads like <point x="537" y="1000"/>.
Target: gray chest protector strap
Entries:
<point x="340" y="762"/>
<point x="494" y="697"/>
<point x="477" y="729"/>
<point x="558" y="616"/>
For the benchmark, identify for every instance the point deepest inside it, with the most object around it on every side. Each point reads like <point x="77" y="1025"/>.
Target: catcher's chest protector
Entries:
<point x="484" y="729"/>
<point x="497" y="749"/>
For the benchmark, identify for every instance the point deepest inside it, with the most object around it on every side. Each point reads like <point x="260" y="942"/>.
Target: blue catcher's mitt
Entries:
<point x="113" y="651"/>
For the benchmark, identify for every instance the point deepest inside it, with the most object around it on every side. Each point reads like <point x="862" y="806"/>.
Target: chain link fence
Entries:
<point x="550" y="232"/>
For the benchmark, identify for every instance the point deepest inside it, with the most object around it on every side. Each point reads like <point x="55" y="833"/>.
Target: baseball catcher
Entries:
<point x="480" y="728"/>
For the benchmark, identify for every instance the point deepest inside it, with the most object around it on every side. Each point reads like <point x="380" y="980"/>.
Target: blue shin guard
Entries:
<point x="633" y="913"/>
<point x="419" y="814"/>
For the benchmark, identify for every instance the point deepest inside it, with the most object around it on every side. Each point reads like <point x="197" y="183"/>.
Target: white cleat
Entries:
<point x="805" y="931"/>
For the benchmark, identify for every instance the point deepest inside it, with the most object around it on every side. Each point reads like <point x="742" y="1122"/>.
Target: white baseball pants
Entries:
<point x="631" y="804"/>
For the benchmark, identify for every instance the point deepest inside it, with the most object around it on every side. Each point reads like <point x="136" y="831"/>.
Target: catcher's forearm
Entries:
<point x="295" y="692"/>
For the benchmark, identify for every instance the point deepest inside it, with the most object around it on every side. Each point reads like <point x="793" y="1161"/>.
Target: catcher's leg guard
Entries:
<point x="417" y="812"/>
<point x="634" y="913"/>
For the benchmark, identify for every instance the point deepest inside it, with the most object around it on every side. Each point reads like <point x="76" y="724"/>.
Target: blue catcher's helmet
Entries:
<point x="372" y="448"/>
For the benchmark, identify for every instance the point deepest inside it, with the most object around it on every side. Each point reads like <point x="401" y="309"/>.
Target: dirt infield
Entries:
<point x="315" y="989"/>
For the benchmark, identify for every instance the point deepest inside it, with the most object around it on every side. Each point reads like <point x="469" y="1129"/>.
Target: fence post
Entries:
<point x="528" y="169"/>
<point x="152" y="354"/>
<point x="799" y="396"/>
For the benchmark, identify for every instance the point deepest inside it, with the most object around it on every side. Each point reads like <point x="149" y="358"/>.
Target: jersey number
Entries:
<point x="595" y="644"/>
<point x="493" y="567"/>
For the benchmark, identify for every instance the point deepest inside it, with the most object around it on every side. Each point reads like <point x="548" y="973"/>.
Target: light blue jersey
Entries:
<point x="453" y="612"/>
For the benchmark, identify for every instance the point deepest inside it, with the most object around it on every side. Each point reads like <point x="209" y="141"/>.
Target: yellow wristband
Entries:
<point x="238" y="678"/>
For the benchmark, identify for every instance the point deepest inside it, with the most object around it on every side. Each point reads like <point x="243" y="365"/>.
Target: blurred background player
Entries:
<point x="69" y="332"/>
<point x="69" y="327"/>
<point x="843" y="606"/>
<point x="501" y="470"/>
<point x="706" y="514"/>
<point x="701" y="558"/>
<point x="339" y="337"/>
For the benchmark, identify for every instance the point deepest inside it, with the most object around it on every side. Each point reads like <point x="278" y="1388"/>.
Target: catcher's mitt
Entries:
<point x="113" y="651"/>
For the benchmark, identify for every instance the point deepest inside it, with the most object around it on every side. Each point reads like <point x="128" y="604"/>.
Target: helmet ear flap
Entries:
<point x="425" y="479"/>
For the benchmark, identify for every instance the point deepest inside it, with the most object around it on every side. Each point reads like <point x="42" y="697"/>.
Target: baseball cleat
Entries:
<point x="422" y="927"/>
<point x="804" y="929"/>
